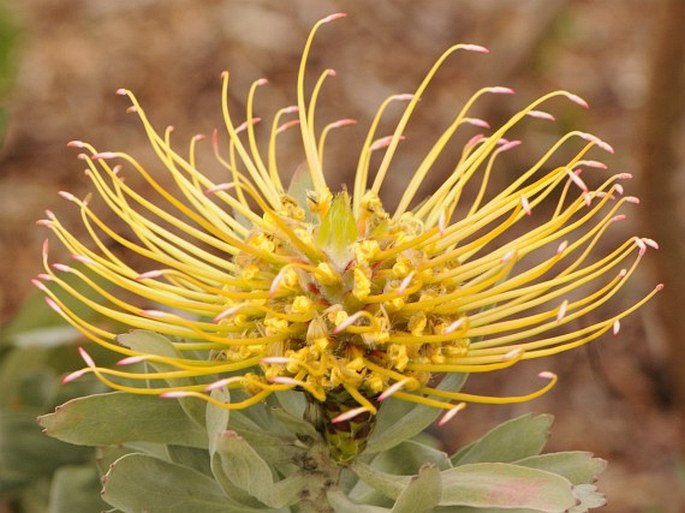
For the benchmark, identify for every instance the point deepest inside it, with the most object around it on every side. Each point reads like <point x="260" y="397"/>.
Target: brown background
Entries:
<point x="618" y="398"/>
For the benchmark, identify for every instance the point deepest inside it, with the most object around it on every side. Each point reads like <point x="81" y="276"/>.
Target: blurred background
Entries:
<point x="61" y="61"/>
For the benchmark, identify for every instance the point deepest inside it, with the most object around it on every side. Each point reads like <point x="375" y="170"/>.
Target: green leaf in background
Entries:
<point x="401" y="420"/>
<point x="38" y="325"/>
<point x="409" y="456"/>
<point x="342" y="504"/>
<point x="76" y="489"/>
<point x="138" y="483"/>
<point x="153" y="343"/>
<point x="248" y="471"/>
<point x="503" y="485"/>
<point x="389" y="485"/>
<point x="577" y="466"/>
<point x="422" y="494"/>
<point x="26" y="453"/>
<point x="116" y="418"/>
<point x="9" y="39"/>
<point x="510" y="441"/>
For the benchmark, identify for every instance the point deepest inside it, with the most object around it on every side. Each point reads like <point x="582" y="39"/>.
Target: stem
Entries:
<point x="323" y="474"/>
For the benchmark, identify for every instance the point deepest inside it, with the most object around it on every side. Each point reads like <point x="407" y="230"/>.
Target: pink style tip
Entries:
<point x="577" y="100"/>
<point x="350" y="414"/>
<point x="475" y="48"/>
<point x="73" y="376"/>
<point x="333" y="17"/>
<point x="175" y="394"/>
<point x="130" y="360"/>
<point x="450" y="414"/>
<point x="104" y="155"/>
<point x="86" y="357"/>
<point x="76" y="144"/>
<point x="500" y="90"/>
<point x="539" y="114"/>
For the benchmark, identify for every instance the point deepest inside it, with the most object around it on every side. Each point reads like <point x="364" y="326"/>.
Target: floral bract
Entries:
<point x="331" y="293"/>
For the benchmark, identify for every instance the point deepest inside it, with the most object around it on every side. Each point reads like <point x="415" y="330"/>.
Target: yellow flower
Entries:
<point x="332" y="293"/>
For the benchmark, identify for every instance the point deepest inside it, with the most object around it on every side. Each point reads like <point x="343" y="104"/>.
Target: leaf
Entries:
<point x="577" y="466"/>
<point x="390" y="485"/>
<point x="398" y="421"/>
<point x="422" y="494"/>
<point x="191" y="457"/>
<point x="271" y="446"/>
<point x="342" y="504"/>
<point x="300" y="183"/>
<point x="216" y="419"/>
<point x="25" y="453"/>
<point x="292" y="402"/>
<point x="75" y="489"/>
<point x="588" y="498"/>
<point x="137" y="483"/>
<point x="408" y="457"/>
<point x="295" y="424"/>
<point x="117" y="417"/>
<point x="510" y="441"/>
<point x="153" y="343"/>
<point x="248" y="471"/>
<point x="503" y="485"/>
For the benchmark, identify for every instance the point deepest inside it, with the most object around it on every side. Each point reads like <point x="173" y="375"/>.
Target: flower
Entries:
<point x="331" y="293"/>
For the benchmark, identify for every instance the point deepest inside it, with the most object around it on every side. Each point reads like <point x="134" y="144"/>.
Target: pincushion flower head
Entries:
<point x="266" y="287"/>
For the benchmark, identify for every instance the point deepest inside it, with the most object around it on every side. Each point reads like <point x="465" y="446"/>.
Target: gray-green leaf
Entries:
<point x="398" y="421"/>
<point x="75" y="489"/>
<point x="422" y="494"/>
<point x="248" y="471"/>
<point x="137" y="483"/>
<point x="510" y="441"/>
<point x="117" y="417"/>
<point x="154" y="343"/>
<point x="503" y="485"/>
<point x="577" y="466"/>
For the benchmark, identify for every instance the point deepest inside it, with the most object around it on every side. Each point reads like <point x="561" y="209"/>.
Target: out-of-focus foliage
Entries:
<point x="9" y="36"/>
<point x="36" y="350"/>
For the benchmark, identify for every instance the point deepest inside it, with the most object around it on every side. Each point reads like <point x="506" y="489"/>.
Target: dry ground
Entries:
<point x="76" y="53"/>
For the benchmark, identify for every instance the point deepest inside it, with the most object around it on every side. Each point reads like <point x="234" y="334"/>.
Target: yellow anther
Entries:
<point x="456" y="348"/>
<point x="366" y="250"/>
<point x="356" y="364"/>
<point x="320" y="344"/>
<point x="402" y="267"/>
<point x="436" y="356"/>
<point x="249" y="272"/>
<point x="289" y="278"/>
<point x="375" y="338"/>
<point x="263" y="243"/>
<point x="375" y="383"/>
<point x="397" y="354"/>
<point x="291" y="209"/>
<point x="301" y="305"/>
<point x="274" y="325"/>
<point x="372" y="203"/>
<point x="338" y="317"/>
<point x="362" y="284"/>
<point x="417" y="324"/>
<point x="395" y="304"/>
<point x="326" y="275"/>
